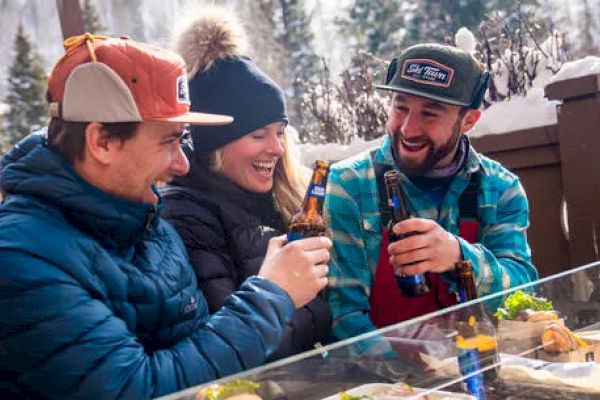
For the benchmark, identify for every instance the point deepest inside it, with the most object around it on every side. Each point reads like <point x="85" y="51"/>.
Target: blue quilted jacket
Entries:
<point x="97" y="299"/>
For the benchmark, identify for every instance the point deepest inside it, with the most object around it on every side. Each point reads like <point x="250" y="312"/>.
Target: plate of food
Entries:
<point x="396" y="391"/>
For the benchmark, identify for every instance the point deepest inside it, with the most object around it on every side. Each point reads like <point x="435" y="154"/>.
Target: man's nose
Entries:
<point x="410" y="126"/>
<point x="180" y="165"/>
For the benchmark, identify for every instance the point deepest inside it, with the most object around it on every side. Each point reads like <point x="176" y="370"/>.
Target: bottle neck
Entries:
<point x="397" y="202"/>
<point x="312" y="204"/>
<point x="466" y="286"/>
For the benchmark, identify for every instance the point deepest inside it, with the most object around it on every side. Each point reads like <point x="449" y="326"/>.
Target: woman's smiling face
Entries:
<point x="250" y="161"/>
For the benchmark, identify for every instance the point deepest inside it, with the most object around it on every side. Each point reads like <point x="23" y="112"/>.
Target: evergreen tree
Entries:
<point x="297" y="38"/>
<point x="438" y="20"/>
<point x="290" y="25"/>
<point x="26" y="91"/>
<point x="376" y="26"/>
<point x="385" y="27"/>
<point x="91" y="19"/>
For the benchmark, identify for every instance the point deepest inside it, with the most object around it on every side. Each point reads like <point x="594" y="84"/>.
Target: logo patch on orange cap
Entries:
<point x="183" y="91"/>
<point x="427" y="72"/>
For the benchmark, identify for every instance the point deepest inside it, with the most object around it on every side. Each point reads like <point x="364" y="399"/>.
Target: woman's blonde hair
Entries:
<point x="290" y="178"/>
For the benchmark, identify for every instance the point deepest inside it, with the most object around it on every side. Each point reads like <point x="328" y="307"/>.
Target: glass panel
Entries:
<point x="549" y="356"/>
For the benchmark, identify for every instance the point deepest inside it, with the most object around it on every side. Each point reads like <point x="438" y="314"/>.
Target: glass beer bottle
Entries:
<point x="408" y="285"/>
<point x="476" y="342"/>
<point x="309" y="221"/>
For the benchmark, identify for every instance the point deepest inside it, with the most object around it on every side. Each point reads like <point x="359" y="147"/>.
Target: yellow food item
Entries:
<point x="240" y="389"/>
<point x="242" y="396"/>
<point x="480" y="342"/>
<point x="559" y="339"/>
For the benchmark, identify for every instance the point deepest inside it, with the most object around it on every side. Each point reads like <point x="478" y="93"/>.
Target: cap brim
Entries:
<point x="422" y="94"/>
<point x="196" y="118"/>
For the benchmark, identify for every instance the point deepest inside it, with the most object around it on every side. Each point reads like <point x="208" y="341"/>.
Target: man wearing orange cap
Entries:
<point x="96" y="294"/>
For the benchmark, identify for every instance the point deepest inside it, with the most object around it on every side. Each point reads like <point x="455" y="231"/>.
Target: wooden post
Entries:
<point x="71" y="17"/>
<point x="579" y="138"/>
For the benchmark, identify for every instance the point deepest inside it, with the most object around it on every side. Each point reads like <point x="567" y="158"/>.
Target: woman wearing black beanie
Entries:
<point x="243" y="185"/>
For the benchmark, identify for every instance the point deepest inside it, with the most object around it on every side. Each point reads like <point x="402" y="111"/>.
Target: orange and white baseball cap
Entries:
<point x="102" y="79"/>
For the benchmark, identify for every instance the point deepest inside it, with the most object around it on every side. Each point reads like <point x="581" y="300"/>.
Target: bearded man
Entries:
<point x="465" y="205"/>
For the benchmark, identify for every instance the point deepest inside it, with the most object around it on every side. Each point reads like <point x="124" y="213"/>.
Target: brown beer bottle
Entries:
<point x="309" y="221"/>
<point x="465" y="283"/>
<point x="477" y="334"/>
<point x="409" y="285"/>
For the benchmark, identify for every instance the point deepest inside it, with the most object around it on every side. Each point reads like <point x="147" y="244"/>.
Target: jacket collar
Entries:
<point x="33" y="169"/>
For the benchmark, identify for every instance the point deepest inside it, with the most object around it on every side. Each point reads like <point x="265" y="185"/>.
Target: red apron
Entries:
<point x="388" y="306"/>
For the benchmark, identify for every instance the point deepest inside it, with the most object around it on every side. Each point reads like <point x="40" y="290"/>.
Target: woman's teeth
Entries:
<point x="161" y="184"/>
<point x="265" y="167"/>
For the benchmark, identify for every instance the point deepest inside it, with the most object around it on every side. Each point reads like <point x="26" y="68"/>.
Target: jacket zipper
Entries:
<point x="150" y="218"/>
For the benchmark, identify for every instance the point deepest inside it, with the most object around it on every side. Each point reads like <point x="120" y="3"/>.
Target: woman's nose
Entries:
<point x="276" y="145"/>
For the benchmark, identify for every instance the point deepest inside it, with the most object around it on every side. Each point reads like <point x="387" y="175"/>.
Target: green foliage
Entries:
<point x="520" y="300"/>
<point x="26" y="92"/>
<point x="91" y="19"/>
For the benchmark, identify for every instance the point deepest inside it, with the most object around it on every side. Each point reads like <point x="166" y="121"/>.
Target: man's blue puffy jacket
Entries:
<point x="97" y="299"/>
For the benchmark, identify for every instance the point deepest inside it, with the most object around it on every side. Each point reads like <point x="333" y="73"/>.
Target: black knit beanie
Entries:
<point x="234" y="86"/>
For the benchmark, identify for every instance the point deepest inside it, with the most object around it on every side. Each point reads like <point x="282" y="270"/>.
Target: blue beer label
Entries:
<point x="394" y="202"/>
<point x="410" y="280"/>
<point x="461" y="295"/>
<point x="468" y="364"/>
<point x="291" y="236"/>
<point x="317" y="191"/>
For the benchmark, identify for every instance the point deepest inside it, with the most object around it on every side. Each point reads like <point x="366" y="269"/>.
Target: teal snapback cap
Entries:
<point x="438" y="72"/>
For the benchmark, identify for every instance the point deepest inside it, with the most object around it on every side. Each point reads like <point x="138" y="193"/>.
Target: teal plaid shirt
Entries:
<point x="501" y="257"/>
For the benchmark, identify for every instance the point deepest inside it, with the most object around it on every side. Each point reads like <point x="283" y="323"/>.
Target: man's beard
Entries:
<point x="433" y="156"/>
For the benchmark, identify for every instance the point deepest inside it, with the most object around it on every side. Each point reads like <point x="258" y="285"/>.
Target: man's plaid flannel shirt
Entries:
<point x="501" y="257"/>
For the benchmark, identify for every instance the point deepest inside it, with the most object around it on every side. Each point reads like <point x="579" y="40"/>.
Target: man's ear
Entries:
<point x="98" y="145"/>
<point x="469" y="120"/>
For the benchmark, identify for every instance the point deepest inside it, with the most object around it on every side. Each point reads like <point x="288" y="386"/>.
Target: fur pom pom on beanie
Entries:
<point x="224" y="81"/>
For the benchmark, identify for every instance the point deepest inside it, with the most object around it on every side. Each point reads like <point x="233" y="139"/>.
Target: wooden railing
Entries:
<point x="559" y="166"/>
